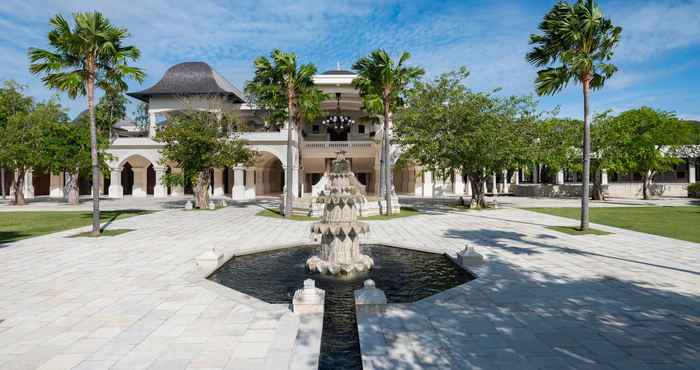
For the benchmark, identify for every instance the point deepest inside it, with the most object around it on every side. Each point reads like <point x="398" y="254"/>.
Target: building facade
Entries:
<point x="137" y="169"/>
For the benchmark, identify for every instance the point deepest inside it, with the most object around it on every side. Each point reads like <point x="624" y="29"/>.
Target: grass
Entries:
<point x="21" y="225"/>
<point x="405" y="212"/>
<point x="673" y="222"/>
<point x="108" y="232"/>
<point x="572" y="230"/>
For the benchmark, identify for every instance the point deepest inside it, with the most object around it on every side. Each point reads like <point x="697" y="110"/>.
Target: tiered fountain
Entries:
<point x="339" y="229"/>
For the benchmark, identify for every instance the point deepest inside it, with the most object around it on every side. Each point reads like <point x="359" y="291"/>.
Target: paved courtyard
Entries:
<point x="543" y="300"/>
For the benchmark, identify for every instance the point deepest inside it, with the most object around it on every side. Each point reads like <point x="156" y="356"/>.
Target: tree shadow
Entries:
<point x="528" y="317"/>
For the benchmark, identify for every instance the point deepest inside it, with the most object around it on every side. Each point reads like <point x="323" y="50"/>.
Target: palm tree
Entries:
<point x="279" y="85"/>
<point x="84" y="56"/>
<point x="576" y="44"/>
<point x="381" y="81"/>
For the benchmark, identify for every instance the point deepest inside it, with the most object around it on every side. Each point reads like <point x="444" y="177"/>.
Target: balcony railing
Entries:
<point x="331" y="147"/>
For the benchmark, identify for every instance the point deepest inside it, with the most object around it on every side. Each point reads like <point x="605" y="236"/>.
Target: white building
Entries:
<point x="137" y="170"/>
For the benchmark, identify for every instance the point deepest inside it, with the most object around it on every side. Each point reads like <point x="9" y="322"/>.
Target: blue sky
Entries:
<point x="658" y="57"/>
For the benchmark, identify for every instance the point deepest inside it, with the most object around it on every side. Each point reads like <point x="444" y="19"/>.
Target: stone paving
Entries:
<point x="543" y="300"/>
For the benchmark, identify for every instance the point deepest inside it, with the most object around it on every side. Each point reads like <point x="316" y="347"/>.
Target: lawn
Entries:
<point x="673" y="222"/>
<point x="21" y="225"/>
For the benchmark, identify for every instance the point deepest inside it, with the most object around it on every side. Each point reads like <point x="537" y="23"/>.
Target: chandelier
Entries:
<point x="338" y="121"/>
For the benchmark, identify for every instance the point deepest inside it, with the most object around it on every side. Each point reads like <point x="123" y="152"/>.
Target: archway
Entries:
<point x="268" y="175"/>
<point x="138" y="177"/>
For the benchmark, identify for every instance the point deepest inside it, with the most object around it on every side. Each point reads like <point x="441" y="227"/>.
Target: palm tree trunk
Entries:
<point x="586" y="155"/>
<point x="93" y="155"/>
<point x="289" y="173"/>
<point x="387" y="161"/>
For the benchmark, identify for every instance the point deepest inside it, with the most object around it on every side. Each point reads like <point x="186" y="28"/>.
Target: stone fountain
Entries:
<point x="339" y="229"/>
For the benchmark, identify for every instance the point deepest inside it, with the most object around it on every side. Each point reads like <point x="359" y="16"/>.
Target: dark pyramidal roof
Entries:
<point x="191" y="78"/>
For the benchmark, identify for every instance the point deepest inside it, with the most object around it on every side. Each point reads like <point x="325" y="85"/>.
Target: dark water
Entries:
<point x="403" y="275"/>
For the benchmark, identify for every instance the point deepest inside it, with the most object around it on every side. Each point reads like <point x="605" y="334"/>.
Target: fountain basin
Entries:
<point x="404" y="275"/>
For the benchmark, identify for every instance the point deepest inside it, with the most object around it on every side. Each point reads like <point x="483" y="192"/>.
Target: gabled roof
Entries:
<point x="191" y="78"/>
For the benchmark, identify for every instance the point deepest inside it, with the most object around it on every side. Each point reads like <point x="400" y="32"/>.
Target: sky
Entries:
<point x="658" y="56"/>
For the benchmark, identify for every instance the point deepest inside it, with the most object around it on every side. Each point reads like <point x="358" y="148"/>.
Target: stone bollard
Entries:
<point x="468" y="256"/>
<point x="188" y="205"/>
<point x="308" y="299"/>
<point x="211" y="205"/>
<point x="210" y="260"/>
<point x="223" y="203"/>
<point x="370" y="299"/>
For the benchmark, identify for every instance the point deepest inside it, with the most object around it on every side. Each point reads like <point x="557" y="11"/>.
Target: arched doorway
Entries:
<point x="269" y="174"/>
<point x="138" y="177"/>
<point x="41" y="181"/>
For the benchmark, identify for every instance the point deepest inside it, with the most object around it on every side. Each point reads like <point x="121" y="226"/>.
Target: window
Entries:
<point x="315" y="129"/>
<point x="361" y="129"/>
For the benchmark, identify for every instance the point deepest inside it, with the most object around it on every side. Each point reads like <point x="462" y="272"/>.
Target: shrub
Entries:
<point x="694" y="190"/>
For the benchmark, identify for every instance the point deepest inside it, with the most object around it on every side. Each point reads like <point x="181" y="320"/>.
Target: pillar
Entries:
<point x="140" y="181"/>
<point x="494" y="185"/>
<point x="151" y="125"/>
<point x="28" y="185"/>
<point x="560" y="177"/>
<point x="377" y="177"/>
<point x="115" y="183"/>
<point x="160" y="190"/>
<point x="691" y="171"/>
<point x="505" y="182"/>
<point x="218" y="184"/>
<point x="604" y="177"/>
<point x="250" y="183"/>
<point x="515" y="179"/>
<point x="458" y="186"/>
<point x="177" y="190"/>
<point x="238" y="190"/>
<point x="56" y="185"/>
<point x="427" y="191"/>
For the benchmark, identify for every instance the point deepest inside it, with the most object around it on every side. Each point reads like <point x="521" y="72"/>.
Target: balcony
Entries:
<point x="323" y="149"/>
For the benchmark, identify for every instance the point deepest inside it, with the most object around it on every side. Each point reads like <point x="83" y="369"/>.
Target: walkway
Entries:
<point x="545" y="299"/>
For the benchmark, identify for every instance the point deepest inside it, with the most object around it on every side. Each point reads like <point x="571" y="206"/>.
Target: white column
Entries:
<point x="427" y="184"/>
<point x="515" y="179"/>
<point x="160" y="190"/>
<point x="115" y="183"/>
<point x="458" y="186"/>
<point x="56" y="186"/>
<point x="29" y="184"/>
<point x="151" y="124"/>
<point x="250" y="183"/>
<point x="140" y="181"/>
<point x="494" y="185"/>
<point x="238" y="190"/>
<point x="560" y="177"/>
<point x="604" y="177"/>
<point x="505" y="181"/>
<point x="691" y="171"/>
<point x="218" y="182"/>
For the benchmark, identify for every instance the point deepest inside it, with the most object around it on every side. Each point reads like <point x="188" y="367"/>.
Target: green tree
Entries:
<point x="67" y="150"/>
<point x="558" y="144"/>
<point x="109" y="110"/>
<point x="644" y="141"/>
<point x="22" y="143"/>
<point x="576" y="44"/>
<point x="90" y="54"/>
<point x="286" y="91"/>
<point x="445" y="126"/>
<point x="12" y="101"/>
<point x="196" y="142"/>
<point x="381" y="82"/>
